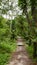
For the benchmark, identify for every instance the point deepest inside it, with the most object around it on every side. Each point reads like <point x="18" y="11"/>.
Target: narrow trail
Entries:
<point x="20" y="57"/>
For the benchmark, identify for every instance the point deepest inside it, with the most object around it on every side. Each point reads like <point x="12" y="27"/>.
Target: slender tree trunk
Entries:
<point x="30" y="26"/>
<point x="34" y="49"/>
<point x="34" y="13"/>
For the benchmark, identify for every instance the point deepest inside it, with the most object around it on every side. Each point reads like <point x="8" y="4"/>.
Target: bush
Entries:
<point x="4" y="58"/>
<point x="30" y="50"/>
<point x="6" y="46"/>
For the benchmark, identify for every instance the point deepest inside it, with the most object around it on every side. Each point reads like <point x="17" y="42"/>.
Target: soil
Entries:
<point x="20" y="56"/>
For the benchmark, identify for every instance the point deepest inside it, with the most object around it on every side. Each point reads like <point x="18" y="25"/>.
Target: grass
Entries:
<point x="4" y="57"/>
<point x="30" y="52"/>
<point x="6" y="47"/>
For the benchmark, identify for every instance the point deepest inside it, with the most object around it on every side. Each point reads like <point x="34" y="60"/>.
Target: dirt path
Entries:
<point x="20" y="57"/>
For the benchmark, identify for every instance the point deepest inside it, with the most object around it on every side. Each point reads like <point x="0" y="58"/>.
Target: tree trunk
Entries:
<point x="34" y="49"/>
<point x="30" y="26"/>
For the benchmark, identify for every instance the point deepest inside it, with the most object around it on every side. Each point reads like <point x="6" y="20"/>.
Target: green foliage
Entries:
<point x="10" y="29"/>
<point x="6" y="44"/>
<point x="30" y="50"/>
<point x="33" y="2"/>
<point x="5" y="49"/>
<point x="4" y="28"/>
<point x="13" y="30"/>
<point x="22" y="4"/>
<point x="4" y="57"/>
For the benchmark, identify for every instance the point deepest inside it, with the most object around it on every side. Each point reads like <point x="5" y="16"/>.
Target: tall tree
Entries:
<point x="34" y="15"/>
<point x="24" y="6"/>
<point x="34" y="9"/>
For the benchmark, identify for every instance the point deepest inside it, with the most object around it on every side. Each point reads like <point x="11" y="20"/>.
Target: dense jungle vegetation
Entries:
<point x="23" y="25"/>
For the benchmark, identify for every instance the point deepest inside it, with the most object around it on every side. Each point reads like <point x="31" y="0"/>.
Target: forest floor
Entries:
<point x="20" y="57"/>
